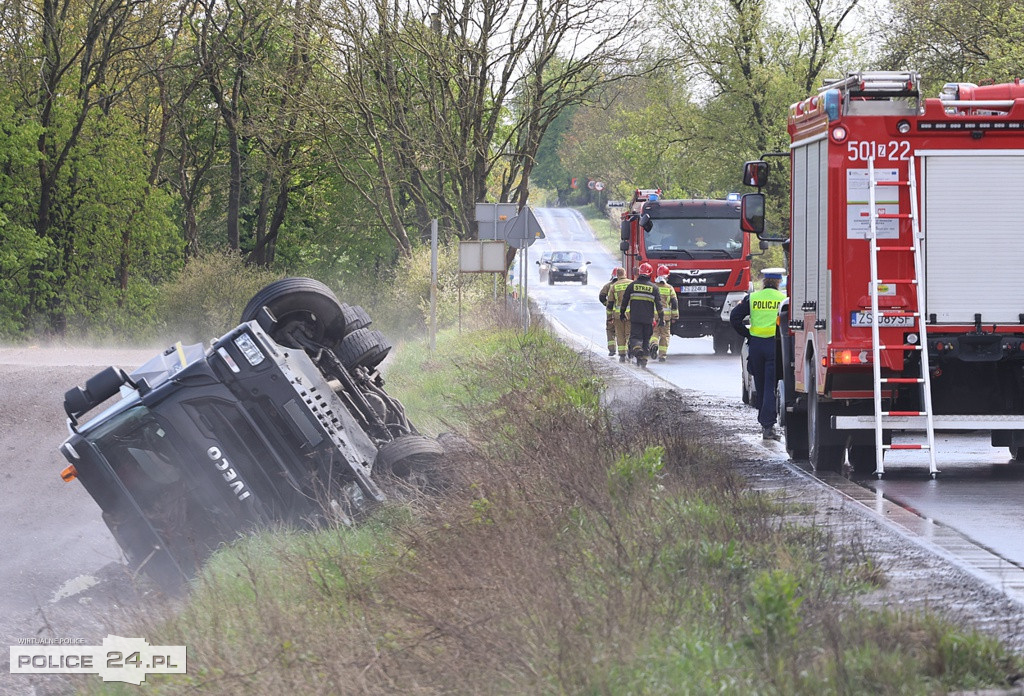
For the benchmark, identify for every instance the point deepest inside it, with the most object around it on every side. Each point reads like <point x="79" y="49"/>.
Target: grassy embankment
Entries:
<point x="575" y="552"/>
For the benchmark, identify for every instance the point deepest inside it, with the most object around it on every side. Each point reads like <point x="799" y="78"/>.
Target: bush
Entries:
<point x="207" y="296"/>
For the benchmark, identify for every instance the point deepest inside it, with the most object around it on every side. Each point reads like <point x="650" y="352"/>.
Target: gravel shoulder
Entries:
<point x="63" y="576"/>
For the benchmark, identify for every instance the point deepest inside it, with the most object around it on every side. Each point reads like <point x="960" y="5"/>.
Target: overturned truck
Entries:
<point x="284" y="419"/>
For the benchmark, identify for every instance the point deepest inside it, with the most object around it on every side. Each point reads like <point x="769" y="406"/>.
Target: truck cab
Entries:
<point x="707" y="256"/>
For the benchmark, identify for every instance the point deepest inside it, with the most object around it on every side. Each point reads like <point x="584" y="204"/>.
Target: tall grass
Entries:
<point x="576" y="551"/>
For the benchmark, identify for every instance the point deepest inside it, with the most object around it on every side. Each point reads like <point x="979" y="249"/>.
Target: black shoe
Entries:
<point x="770" y="434"/>
<point x="661" y="358"/>
<point x="622" y="357"/>
<point x="611" y="352"/>
<point x="653" y="350"/>
<point x="642" y="362"/>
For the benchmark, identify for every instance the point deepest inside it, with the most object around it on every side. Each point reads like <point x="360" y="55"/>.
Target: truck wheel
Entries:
<point x="381" y="349"/>
<point x="794" y="426"/>
<point x="301" y="306"/>
<point x="359" y="347"/>
<point x="822" y="452"/>
<point x="862" y="459"/>
<point x="414" y="458"/>
<point x="1017" y="454"/>
<point x="735" y="343"/>
<point x="355" y="318"/>
<point x="551" y="280"/>
<point x="720" y="341"/>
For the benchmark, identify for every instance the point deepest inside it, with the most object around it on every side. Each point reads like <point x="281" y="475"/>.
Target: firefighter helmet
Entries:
<point x="662" y="270"/>
<point x="645" y="269"/>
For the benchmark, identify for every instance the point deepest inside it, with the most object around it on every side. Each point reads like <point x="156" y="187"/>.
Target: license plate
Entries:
<point x="864" y="319"/>
<point x="694" y="288"/>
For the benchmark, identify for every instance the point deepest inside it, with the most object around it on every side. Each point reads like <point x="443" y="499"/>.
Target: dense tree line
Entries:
<point x="301" y="134"/>
<point x="322" y="136"/>
<point x="734" y="66"/>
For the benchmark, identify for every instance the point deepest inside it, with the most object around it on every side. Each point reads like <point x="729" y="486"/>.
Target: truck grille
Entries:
<point x="712" y="279"/>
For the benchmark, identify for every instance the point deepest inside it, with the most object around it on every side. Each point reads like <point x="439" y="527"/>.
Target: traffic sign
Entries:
<point x="599" y="186"/>
<point x="523" y="230"/>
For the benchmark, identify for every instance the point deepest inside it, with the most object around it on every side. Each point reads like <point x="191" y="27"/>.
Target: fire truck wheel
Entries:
<point x="1017" y="454"/>
<point x="822" y="450"/>
<point x="303" y="307"/>
<point x="862" y="459"/>
<point x="720" y="341"/>
<point x="414" y="458"/>
<point x="735" y="343"/>
<point x="551" y="280"/>
<point x="355" y="318"/>
<point x="794" y="425"/>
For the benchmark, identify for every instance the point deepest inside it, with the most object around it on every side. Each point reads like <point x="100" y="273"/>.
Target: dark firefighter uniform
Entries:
<point x="763" y="308"/>
<point x="663" y="332"/>
<point x="642" y="303"/>
<point x="614" y="307"/>
<point x="609" y="323"/>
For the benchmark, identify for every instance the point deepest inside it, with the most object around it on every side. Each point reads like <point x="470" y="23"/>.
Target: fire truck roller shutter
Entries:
<point x="972" y="228"/>
<point x="810" y="225"/>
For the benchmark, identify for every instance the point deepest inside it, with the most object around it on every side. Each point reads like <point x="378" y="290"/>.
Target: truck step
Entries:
<point x="905" y="346"/>
<point x="941" y="422"/>
<point x="903" y="380"/>
<point x="898" y="281"/>
<point x="904" y="413"/>
<point x="905" y="447"/>
<point x="893" y="216"/>
<point x="892" y="183"/>
<point x="895" y="248"/>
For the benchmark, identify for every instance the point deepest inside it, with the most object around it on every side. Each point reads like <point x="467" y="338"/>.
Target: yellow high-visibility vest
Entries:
<point x="764" y="311"/>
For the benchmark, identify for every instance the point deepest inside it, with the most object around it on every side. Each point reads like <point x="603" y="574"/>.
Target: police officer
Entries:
<point x="670" y="306"/>
<point x="763" y="308"/>
<point x="609" y="327"/>
<point x="642" y="302"/>
<point x="614" y="306"/>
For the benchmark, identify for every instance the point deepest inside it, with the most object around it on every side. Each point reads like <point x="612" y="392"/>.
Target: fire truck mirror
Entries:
<point x="624" y="230"/>
<point x="752" y="213"/>
<point x="624" y="245"/>
<point x="646" y="222"/>
<point x="755" y="173"/>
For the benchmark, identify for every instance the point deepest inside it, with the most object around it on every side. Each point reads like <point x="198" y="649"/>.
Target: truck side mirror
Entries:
<point x="646" y="222"/>
<point x="752" y="213"/>
<point x="624" y="229"/>
<point x="624" y="245"/>
<point x="755" y="173"/>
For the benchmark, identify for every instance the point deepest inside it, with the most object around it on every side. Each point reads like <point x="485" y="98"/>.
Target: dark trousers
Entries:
<point x="640" y="337"/>
<point x="761" y="364"/>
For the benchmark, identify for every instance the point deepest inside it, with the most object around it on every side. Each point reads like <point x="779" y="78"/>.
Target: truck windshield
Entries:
<point x="694" y="238"/>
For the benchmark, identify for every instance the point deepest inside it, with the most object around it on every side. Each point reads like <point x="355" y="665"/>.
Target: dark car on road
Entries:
<point x="563" y="265"/>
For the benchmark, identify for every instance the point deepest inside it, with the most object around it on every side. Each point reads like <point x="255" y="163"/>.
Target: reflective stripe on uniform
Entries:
<point x="764" y="311"/>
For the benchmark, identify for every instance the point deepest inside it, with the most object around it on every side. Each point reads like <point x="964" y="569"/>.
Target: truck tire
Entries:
<point x="381" y="350"/>
<point x="1017" y="454"/>
<point x="358" y="347"/>
<point x="862" y="459"/>
<point x="300" y="305"/>
<point x="822" y="451"/>
<point x="735" y="343"/>
<point x="720" y="341"/>
<point x="414" y="458"/>
<point x="794" y="426"/>
<point x="355" y="318"/>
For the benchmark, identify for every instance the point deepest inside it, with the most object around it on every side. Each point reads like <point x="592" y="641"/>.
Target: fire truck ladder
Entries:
<point x="924" y="380"/>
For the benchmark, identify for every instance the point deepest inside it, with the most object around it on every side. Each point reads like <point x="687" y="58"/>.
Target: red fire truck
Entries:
<point x="707" y="256"/>
<point x="906" y="296"/>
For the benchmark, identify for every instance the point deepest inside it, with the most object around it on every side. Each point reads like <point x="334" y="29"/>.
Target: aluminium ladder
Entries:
<point x="919" y="317"/>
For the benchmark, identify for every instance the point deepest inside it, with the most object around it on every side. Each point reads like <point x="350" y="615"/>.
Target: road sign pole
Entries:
<point x="526" y="289"/>
<point x="433" y="284"/>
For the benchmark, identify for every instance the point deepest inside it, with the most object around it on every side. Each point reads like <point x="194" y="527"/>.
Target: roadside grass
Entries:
<point x="605" y="227"/>
<point x="576" y="551"/>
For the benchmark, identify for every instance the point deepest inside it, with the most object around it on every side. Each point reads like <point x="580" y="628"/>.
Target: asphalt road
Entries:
<point x="978" y="492"/>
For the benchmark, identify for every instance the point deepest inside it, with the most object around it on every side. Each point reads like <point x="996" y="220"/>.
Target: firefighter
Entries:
<point x="763" y="309"/>
<point x="617" y="274"/>
<point x="670" y="306"/>
<point x="642" y="302"/>
<point x="614" y="307"/>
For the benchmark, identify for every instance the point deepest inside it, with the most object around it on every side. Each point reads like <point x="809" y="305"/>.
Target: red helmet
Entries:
<point x="645" y="269"/>
<point x="662" y="270"/>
